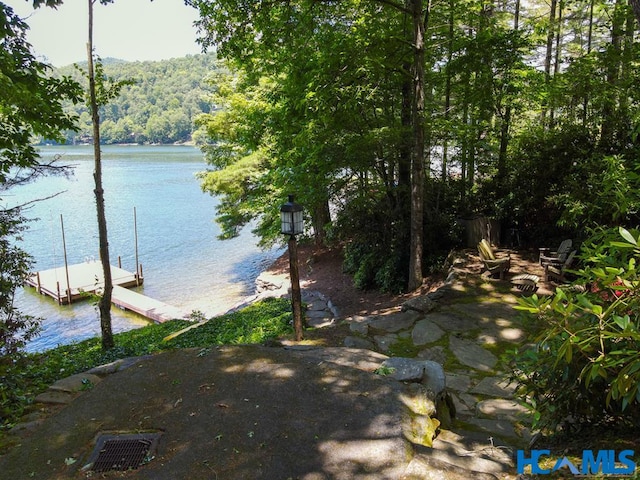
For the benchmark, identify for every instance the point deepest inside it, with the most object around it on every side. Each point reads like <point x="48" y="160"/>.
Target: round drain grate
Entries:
<point x="122" y="452"/>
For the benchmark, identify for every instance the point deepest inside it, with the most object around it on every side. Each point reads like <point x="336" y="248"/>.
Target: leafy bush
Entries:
<point x="377" y="251"/>
<point x="16" y="329"/>
<point x="374" y="269"/>
<point x="585" y="364"/>
<point x="377" y="254"/>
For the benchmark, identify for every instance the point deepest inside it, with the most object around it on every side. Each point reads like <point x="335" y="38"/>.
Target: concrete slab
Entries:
<point x="235" y="413"/>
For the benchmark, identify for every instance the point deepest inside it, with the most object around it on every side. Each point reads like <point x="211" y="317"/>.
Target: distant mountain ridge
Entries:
<point x="160" y="108"/>
<point x="105" y="61"/>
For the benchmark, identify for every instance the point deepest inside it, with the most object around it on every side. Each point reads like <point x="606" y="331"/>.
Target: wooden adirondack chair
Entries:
<point x="557" y="257"/>
<point x="494" y="265"/>
<point x="557" y="272"/>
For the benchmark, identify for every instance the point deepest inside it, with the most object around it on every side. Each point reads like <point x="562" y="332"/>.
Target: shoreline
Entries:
<point x="321" y="271"/>
<point x="321" y="276"/>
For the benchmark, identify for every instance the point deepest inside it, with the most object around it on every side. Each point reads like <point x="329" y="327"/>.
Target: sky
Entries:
<point x="126" y="29"/>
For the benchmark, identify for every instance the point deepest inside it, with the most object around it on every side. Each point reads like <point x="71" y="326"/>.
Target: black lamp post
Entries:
<point x="292" y="225"/>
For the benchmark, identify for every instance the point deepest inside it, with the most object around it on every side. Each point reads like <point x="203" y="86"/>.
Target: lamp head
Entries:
<point x="291" y="218"/>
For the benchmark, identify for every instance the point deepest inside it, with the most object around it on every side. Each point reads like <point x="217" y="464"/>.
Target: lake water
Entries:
<point x="184" y="264"/>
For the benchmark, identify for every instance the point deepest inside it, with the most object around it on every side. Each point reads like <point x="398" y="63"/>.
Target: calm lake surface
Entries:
<point x="184" y="264"/>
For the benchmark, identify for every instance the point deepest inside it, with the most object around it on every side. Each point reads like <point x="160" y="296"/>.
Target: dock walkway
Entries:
<point x="76" y="282"/>
<point x="147" y="307"/>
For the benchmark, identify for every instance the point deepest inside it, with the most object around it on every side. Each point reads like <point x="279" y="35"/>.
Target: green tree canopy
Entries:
<point x="524" y="105"/>
<point x="31" y="105"/>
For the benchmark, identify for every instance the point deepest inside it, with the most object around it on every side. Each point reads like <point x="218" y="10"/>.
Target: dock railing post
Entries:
<point x="135" y="234"/>
<point x="39" y="284"/>
<point x="66" y="264"/>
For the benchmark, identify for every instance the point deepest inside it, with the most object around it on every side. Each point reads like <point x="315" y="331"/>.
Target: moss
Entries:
<point x="404" y="347"/>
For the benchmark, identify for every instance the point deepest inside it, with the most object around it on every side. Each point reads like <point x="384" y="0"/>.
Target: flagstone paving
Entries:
<point x="465" y="326"/>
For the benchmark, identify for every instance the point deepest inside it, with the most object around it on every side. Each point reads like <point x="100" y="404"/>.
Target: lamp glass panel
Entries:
<point x="286" y="219"/>
<point x="298" y="224"/>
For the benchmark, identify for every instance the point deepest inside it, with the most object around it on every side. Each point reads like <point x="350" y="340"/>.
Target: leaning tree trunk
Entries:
<point x="104" y="305"/>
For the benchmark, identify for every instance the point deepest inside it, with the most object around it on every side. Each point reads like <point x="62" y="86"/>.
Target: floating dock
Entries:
<point x="76" y="282"/>
<point x="147" y="307"/>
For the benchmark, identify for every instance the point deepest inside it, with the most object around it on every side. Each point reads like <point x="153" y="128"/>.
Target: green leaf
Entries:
<point x="584" y="302"/>
<point x="568" y="355"/>
<point x="622" y="322"/>
<point x="627" y="236"/>
<point x="622" y="245"/>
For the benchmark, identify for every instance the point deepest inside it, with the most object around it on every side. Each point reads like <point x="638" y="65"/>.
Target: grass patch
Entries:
<point x="23" y="379"/>
<point x="256" y="323"/>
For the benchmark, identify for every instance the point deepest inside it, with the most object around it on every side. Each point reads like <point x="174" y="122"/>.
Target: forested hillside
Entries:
<point x="159" y="108"/>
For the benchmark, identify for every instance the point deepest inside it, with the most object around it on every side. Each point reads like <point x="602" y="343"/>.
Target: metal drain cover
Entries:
<point x="122" y="452"/>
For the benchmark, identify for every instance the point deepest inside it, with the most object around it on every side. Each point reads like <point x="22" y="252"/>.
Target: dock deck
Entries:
<point x="87" y="279"/>
<point x="84" y="278"/>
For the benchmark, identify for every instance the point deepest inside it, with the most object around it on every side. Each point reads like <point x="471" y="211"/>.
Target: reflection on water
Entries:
<point x="184" y="264"/>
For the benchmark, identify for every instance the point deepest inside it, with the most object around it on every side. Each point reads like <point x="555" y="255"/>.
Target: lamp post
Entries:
<point x="292" y="224"/>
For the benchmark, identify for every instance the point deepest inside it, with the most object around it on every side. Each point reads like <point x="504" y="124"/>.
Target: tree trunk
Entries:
<point x="401" y="227"/>
<point x="556" y="60"/>
<point x="626" y="77"/>
<point x="465" y="138"/>
<point x="549" y="53"/>
<point x="636" y="8"/>
<point x="506" y="122"/>
<point x="404" y="161"/>
<point x="104" y="305"/>
<point x="447" y="89"/>
<point x="417" y="166"/>
<point x="614" y="60"/>
<point x="585" y="101"/>
<point x="321" y="217"/>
